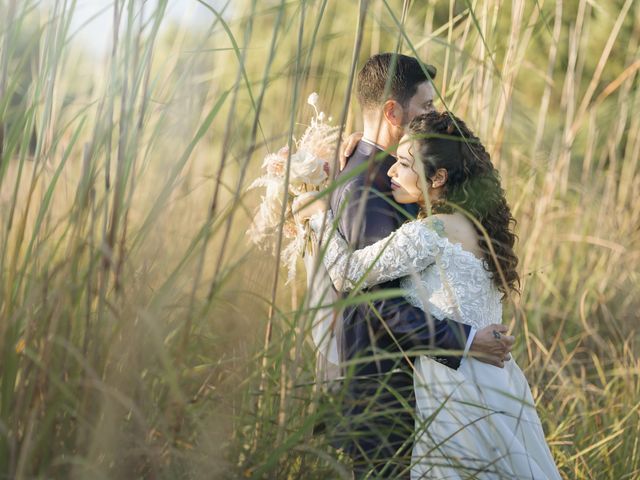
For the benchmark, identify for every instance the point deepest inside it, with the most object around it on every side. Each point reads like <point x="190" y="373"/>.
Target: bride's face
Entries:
<point x="405" y="179"/>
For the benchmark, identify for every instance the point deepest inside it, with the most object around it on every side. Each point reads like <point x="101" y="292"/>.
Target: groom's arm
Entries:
<point x="412" y="329"/>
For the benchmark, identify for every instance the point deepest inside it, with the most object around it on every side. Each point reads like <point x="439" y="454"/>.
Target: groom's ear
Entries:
<point x="393" y="112"/>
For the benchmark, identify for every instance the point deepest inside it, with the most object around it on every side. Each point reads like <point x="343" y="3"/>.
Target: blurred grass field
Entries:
<point x="133" y="311"/>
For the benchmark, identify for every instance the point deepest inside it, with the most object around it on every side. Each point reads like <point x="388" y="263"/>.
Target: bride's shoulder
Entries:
<point x="459" y="229"/>
<point x="436" y="223"/>
<point x="425" y="226"/>
<point x="453" y="223"/>
<point x="454" y="226"/>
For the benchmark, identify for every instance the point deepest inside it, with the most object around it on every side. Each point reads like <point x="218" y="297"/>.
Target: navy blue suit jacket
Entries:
<point x="376" y="423"/>
<point x="366" y="213"/>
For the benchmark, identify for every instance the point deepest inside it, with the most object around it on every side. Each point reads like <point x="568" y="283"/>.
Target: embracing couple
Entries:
<point x="431" y="390"/>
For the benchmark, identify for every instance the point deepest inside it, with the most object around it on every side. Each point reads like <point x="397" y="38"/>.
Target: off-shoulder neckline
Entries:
<point x="456" y="245"/>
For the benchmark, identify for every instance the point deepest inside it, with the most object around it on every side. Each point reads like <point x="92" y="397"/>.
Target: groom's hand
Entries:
<point x="492" y="345"/>
<point x="348" y="147"/>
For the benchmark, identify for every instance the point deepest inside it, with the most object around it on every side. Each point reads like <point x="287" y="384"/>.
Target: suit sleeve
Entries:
<point x="413" y="329"/>
<point x="365" y="216"/>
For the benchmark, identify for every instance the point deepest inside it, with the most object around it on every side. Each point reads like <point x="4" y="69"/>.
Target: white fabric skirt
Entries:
<point x="477" y="422"/>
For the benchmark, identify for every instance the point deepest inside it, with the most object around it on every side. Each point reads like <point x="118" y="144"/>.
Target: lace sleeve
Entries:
<point x="411" y="248"/>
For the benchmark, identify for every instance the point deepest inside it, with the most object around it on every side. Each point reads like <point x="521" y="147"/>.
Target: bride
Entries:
<point x="457" y="262"/>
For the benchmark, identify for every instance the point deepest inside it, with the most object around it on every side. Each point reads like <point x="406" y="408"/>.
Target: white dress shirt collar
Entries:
<point x="371" y="142"/>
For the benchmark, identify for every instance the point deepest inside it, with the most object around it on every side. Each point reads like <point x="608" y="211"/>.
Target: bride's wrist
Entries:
<point x="316" y="220"/>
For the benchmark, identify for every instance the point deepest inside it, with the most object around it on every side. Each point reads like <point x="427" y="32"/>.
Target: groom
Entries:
<point x="378" y="397"/>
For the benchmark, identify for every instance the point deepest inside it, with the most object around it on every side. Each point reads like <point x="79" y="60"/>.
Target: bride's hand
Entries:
<point x="348" y="146"/>
<point x="306" y="205"/>
<point x="493" y="345"/>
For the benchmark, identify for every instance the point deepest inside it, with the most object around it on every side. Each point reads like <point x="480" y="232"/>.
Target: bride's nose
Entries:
<point x="391" y="170"/>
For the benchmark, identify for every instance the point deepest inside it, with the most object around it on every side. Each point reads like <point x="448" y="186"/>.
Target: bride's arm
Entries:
<point x="411" y="248"/>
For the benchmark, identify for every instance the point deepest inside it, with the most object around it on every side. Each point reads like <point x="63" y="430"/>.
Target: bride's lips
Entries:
<point x="394" y="186"/>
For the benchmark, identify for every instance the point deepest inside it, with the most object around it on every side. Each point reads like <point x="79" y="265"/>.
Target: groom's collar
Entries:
<point x="373" y="144"/>
<point x="367" y="150"/>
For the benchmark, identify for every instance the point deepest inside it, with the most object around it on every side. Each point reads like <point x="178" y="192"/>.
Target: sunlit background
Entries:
<point x="133" y="310"/>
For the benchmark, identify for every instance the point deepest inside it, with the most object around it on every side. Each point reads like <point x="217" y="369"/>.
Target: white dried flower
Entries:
<point x="267" y="217"/>
<point x="306" y="168"/>
<point x="274" y="165"/>
<point x="320" y="139"/>
<point x="313" y="99"/>
<point x="309" y="171"/>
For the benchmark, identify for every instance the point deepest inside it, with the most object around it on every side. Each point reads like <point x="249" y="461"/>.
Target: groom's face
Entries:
<point x="421" y="102"/>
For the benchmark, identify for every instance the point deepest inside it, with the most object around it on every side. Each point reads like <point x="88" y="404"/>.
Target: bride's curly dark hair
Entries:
<point x="473" y="186"/>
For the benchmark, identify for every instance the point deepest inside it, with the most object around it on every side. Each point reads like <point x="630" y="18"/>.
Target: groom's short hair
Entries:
<point x="391" y="76"/>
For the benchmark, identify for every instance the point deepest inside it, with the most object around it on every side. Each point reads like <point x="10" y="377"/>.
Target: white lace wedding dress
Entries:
<point x="475" y="422"/>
